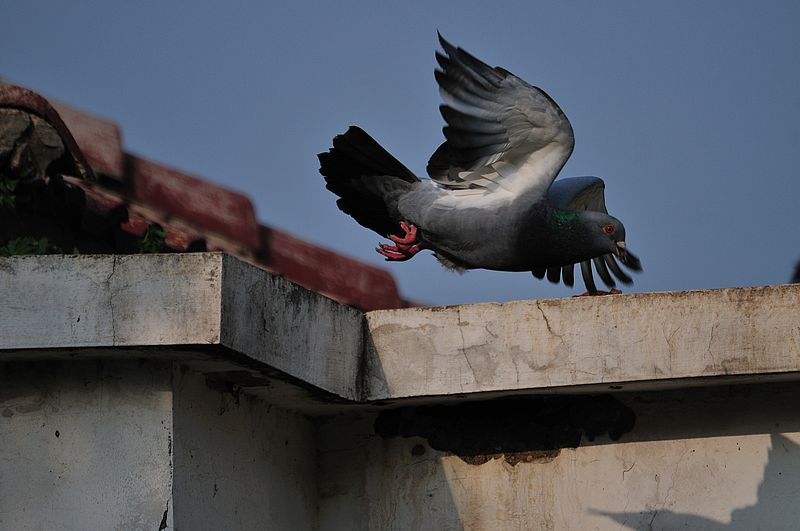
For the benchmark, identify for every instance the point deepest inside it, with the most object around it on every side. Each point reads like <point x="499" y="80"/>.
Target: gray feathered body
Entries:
<point x="517" y="235"/>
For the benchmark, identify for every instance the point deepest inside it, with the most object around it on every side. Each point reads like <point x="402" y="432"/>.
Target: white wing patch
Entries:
<point x="505" y="138"/>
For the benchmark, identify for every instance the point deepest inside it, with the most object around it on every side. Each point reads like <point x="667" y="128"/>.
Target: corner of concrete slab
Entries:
<point x="294" y="330"/>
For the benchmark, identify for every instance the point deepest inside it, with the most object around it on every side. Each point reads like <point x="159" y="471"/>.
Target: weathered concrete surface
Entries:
<point x="85" y="445"/>
<point x="137" y="445"/>
<point x="294" y="330"/>
<point x="183" y="300"/>
<point x="713" y="459"/>
<point x="650" y="340"/>
<point x="239" y="462"/>
<point x="109" y="301"/>
<point x="146" y="445"/>
<point x="166" y="431"/>
<point x="255" y="319"/>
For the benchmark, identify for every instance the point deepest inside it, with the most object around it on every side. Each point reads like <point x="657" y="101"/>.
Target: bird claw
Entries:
<point x="409" y="239"/>
<point x="612" y="291"/>
<point x="393" y="254"/>
<point x="404" y="248"/>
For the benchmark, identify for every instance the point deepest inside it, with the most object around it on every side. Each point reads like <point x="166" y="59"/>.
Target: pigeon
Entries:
<point x="492" y="201"/>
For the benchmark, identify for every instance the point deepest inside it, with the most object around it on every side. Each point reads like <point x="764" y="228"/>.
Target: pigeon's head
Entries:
<point x="609" y="236"/>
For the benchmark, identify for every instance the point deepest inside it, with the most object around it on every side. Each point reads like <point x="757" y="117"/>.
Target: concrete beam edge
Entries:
<point x="661" y="338"/>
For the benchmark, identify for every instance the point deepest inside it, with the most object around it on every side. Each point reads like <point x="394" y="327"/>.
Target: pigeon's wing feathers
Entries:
<point x="578" y="193"/>
<point x="502" y="134"/>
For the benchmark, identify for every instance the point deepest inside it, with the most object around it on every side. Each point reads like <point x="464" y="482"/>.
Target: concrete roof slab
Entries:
<point x="661" y="339"/>
<point x="222" y="308"/>
<point x="178" y="300"/>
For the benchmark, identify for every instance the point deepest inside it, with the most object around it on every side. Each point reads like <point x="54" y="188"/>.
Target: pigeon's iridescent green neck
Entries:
<point x="568" y="229"/>
<point x="566" y="219"/>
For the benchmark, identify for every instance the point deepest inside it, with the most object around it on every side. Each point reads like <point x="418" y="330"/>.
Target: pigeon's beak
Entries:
<point x="621" y="251"/>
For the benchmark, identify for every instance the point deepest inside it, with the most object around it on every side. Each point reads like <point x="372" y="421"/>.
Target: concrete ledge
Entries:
<point x="235" y="317"/>
<point x="285" y="326"/>
<point x="109" y="301"/>
<point x="178" y="300"/>
<point x="650" y="341"/>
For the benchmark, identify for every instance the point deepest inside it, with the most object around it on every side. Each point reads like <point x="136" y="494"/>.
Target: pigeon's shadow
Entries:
<point x="775" y="508"/>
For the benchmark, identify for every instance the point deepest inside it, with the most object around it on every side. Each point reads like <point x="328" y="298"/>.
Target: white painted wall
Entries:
<point x="240" y="464"/>
<point x="710" y="459"/>
<point x="136" y="444"/>
<point x="136" y="438"/>
<point x="85" y="445"/>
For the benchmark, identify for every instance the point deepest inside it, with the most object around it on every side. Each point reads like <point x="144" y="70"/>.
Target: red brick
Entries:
<point x="194" y="200"/>
<point x="339" y="277"/>
<point x="180" y="240"/>
<point x="102" y="203"/>
<point x="137" y="224"/>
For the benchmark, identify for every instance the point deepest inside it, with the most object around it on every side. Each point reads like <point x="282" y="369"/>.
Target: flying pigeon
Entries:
<point x="491" y="201"/>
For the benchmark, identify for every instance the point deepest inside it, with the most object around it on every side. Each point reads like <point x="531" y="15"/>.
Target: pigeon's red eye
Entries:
<point x="609" y="229"/>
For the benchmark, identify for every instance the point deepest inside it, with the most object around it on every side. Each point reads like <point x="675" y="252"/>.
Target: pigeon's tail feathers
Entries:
<point x="368" y="180"/>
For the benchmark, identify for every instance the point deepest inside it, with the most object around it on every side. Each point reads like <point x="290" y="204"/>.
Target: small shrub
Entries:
<point x="28" y="245"/>
<point x="153" y="239"/>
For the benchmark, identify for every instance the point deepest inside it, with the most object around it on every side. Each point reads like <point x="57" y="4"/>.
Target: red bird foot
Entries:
<point x="404" y="248"/>
<point x="612" y="291"/>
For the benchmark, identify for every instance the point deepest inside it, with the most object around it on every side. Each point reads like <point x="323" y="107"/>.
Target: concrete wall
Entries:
<point x="151" y="444"/>
<point x="109" y="300"/>
<point x="240" y="463"/>
<point x="85" y="445"/>
<point x="720" y="458"/>
<point x="137" y="444"/>
<point x="195" y="392"/>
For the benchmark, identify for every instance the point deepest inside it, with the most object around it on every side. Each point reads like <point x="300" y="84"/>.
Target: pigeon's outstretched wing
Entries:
<point x="586" y="193"/>
<point x="504" y="136"/>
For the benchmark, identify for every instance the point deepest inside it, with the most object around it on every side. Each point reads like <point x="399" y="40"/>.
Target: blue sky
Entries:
<point x="690" y="111"/>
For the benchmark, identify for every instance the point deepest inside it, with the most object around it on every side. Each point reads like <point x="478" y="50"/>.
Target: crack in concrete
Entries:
<point x="547" y="323"/>
<point x="650" y="525"/>
<point x="516" y="368"/>
<point x="111" y="299"/>
<point x="710" y="342"/>
<point x="674" y="474"/>
<point x="626" y="470"/>
<point x="464" y="349"/>
<point x="670" y="346"/>
<point x="362" y="368"/>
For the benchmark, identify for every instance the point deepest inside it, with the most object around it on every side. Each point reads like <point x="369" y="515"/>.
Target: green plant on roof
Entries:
<point x="153" y="239"/>
<point x="7" y="196"/>
<point x="28" y="245"/>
